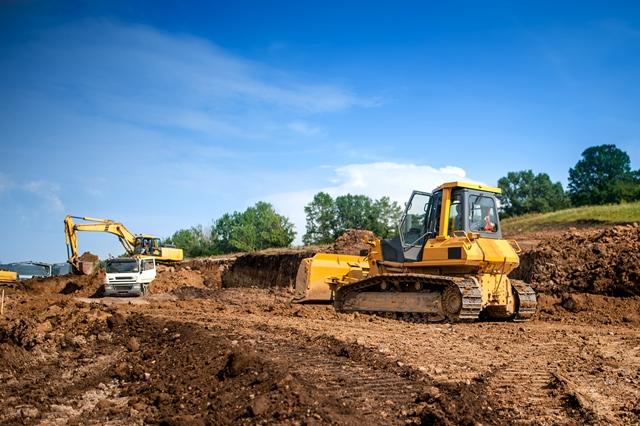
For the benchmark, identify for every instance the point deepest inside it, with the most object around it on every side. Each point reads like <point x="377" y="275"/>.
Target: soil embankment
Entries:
<point x="602" y="261"/>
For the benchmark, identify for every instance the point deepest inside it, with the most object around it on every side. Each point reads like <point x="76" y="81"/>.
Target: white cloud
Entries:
<point x="376" y="180"/>
<point x="143" y="76"/>
<point x="47" y="191"/>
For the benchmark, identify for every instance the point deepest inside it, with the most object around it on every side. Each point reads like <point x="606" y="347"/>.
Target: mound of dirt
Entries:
<point x="74" y="285"/>
<point x="89" y="257"/>
<point x="169" y="279"/>
<point x="589" y="309"/>
<point x="88" y="263"/>
<point x="605" y="261"/>
<point x="353" y="241"/>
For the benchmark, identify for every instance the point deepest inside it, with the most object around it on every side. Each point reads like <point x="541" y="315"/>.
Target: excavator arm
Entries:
<point x="126" y="237"/>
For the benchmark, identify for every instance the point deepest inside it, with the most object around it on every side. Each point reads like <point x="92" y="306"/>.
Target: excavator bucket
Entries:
<point x="87" y="264"/>
<point x="87" y="268"/>
<point x="315" y="273"/>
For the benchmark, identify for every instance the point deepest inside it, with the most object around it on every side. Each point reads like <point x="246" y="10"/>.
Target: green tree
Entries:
<point x="256" y="228"/>
<point x="321" y="219"/>
<point x="388" y="215"/>
<point x="525" y="192"/>
<point x="193" y="241"/>
<point x="602" y="176"/>
<point x="354" y="212"/>
<point x="328" y="218"/>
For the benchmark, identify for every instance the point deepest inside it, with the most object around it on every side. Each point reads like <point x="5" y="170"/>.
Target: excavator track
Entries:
<point x="413" y="297"/>
<point x="527" y="301"/>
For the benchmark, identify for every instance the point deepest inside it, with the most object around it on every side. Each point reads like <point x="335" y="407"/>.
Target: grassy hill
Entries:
<point x="579" y="216"/>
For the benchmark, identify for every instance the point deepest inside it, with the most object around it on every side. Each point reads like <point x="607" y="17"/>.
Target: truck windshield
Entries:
<point x="116" y="266"/>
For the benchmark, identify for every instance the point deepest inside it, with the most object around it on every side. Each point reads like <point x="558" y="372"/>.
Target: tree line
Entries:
<point x="603" y="175"/>
<point x="327" y="218"/>
<point x="256" y="228"/>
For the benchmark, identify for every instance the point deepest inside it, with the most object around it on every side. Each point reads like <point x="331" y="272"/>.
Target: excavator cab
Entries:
<point x="147" y="245"/>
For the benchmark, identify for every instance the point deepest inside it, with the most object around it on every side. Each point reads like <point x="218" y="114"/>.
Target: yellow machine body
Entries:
<point x="450" y="254"/>
<point x="8" y="276"/>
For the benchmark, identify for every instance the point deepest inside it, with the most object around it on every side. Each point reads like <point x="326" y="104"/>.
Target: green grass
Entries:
<point x="607" y="214"/>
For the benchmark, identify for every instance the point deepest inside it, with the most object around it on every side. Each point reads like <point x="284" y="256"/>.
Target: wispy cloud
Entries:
<point x="140" y="75"/>
<point x="42" y="189"/>
<point x="376" y="180"/>
<point x="45" y="190"/>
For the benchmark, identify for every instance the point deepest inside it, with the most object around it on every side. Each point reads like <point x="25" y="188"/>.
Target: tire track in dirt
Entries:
<point x="376" y="391"/>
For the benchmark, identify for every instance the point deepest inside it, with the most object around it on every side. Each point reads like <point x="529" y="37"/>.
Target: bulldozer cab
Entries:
<point x="467" y="209"/>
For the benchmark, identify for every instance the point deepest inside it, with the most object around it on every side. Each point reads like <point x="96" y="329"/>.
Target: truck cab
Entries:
<point x="129" y="276"/>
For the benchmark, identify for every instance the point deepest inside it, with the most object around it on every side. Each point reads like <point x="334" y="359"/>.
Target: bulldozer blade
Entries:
<point x="315" y="273"/>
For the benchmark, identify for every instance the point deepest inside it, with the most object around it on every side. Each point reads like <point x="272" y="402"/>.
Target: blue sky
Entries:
<point x="168" y="114"/>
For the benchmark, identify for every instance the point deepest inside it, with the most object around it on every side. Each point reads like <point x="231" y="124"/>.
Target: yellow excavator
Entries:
<point x="135" y="245"/>
<point x="449" y="262"/>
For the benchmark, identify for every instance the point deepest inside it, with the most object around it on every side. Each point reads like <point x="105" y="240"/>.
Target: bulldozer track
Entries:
<point x="464" y="292"/>
<point x="527" y="302"/>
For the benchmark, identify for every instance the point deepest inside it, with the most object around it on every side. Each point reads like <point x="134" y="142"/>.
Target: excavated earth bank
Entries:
<point x="603" y="261"/>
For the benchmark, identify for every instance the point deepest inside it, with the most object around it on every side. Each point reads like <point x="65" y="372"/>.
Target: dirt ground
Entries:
<point x="200" y="354"/>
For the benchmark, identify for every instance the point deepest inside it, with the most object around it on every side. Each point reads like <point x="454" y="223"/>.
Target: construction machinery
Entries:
<point x="8" y="276"/>
<point x="448" y="262"/>
<point x="139" y="245"/>
<point x="29" y="269"/>
<point x="129" y="276"/>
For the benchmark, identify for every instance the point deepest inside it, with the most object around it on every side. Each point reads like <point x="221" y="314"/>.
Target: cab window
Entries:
<point x="483" y="215"/>
<point x="147" y="265"/>
<point x="433" y="221"/>
<point x="412" y="227"/>
<point x="456" y="213"/>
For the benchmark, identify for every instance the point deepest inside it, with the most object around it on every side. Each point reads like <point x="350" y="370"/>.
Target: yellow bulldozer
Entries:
<point x="135" y="245"/>
<point x="448" y="262"/>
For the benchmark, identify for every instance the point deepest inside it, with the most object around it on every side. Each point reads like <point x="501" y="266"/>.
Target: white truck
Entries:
<point x="129" y="276"/>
